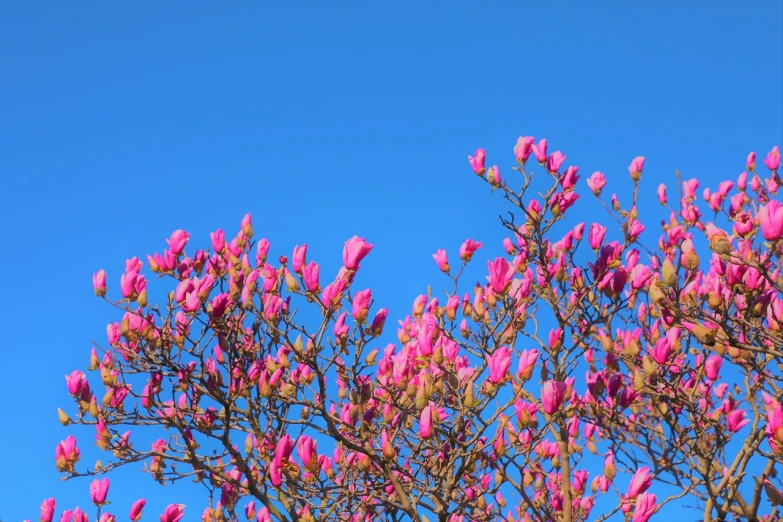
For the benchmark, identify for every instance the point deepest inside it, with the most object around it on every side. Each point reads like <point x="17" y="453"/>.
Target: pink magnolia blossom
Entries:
<point x="645" y="507"/>
<point x="640" y="482"/>
<point x="441" y="259"/>
<point x="299" y="258"/>
<point x="750" y="163"/>
<point x="662" y="194"/>
<point x="361" y="305"/>
<point x="500" y="274"/>
<point x="523" y="148"/>
<point x="80" y="516"/>
<point x="596" y="182"/>
<point x="712" y="367"/>
<point x="477" y="161"/>
<point x="596" y="235"/>
<point x="493" y="176"/>
<point x="425" y="423"/>
<point x="527" y="362"/>
<point x="354" y="251"/>
<point x="555" y="161"/>
<point x="569" y="179"/>
<point x="499" y="363"/>
<point x="636" y="166"/>
<point x="468" y="248"/>
<point x="772" y="160"/>
<point x="178" y="241"/>
<point x="47" y="510"/>
<point x="553" y="395"/>
<point x="173" y="513"/>
<point x="539" y="150"/>
<point x="99" y="283"/>
<point x="67" y="454"/>
<point x="771" y="218"/>
<point x="736" y="420"/>
<point x="98" y="491"/>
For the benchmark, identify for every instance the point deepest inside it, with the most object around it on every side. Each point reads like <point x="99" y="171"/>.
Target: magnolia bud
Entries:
<point x="720" y="245"/>
<point x="703" y="334"/>
<point x="63" y="417"/>
<point x="669" y="274"/>
<point x="469" y="400"/>
<point x="691" y="260"/>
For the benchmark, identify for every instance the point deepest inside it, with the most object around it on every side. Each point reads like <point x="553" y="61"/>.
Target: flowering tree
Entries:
<point x="658" y="358"/>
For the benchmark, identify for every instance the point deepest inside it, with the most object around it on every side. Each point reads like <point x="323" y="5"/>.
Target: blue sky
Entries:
<point x="325" y="120"/>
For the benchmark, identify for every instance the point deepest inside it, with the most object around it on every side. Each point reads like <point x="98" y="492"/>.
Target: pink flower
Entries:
<point x="299" y="258"/>
<point x="99" y="283"/>
<point x="736" y="420"/>
<point x="262" y="250"/>
<point x="285" y="446"/>
<point x="645" y="507"/>
<point x="218" y="238"/>
<point x="173" y="513"/>
<point x="128" y="284"/>
<point x="468" y="248"/>
<point x="553" y="395"/>
<point x="275" y="474"/>
<point x="264" y="515"/>
<point x="500" y="274"/>
<point x="308" y="452"/>
<point x="660" y="353"/>
<point x="640" y="482"/>
<point x="743" y="224"/>
<point x="596" y="182"/>
<point x="441" y="259"/>
<point x="80" y="516"/>
<point x="379" y="321"/>
<point x="425" y="423"/>
<point x="354" y="251"/>
<point x="569" y="179"/>
<point x="742" y="181"/>
<point x="750" y="164"/>
<point x="310" y="275"/>
<point x="712" y="367"/>
<point x="493" y="176"/>
<point x="540" y="151"/>
<point x="635" y="228"/>
<point x="477" y="162"/>
<point x="596" y="235"/>
<point x="250" y="510"/>
<point x="662" y="194"/>
<point x="499" y="363"/>
<point x="220" y="304"/>
<point x="773" y="159"/>
<point x="523" y="148"/>
<point x="67" y="516"/>
<point x="555" y="161"/>
<point x="178" y="241"/>
<point x="75" y="382"/>
<point x="527" y="362"/>
<point x="774" y="494"/>
<point x="640" y="274"/>
<point x="98" y="491"/>
<point x="361" y="305"/>
<point x="47" y="510"/>
<point x="247" y="225"/>
<point x="689" y="188"/>
<point x="636" y="167"/>
<point x="771" y="217"/>
<point x="67" y="454"/>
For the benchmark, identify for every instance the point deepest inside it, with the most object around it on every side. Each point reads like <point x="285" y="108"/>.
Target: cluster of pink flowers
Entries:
<point x="455" y="406"/>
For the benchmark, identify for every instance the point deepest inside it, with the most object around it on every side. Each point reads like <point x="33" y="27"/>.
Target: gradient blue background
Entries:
<point x="121" y="123"/>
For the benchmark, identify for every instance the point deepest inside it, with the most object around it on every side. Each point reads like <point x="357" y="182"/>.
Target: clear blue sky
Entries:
<point x="119" y="124"/>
